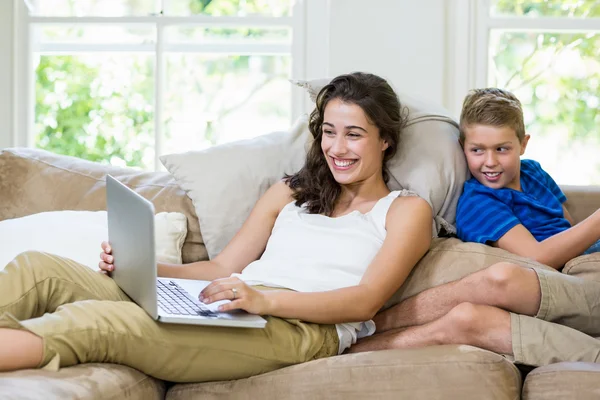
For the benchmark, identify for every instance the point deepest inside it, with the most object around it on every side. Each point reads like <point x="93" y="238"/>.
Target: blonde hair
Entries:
<point x="493" y="107"/>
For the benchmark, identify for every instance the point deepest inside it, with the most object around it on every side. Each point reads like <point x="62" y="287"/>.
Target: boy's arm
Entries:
<point x="556" y="250"/>
<point x="567" y="215"/>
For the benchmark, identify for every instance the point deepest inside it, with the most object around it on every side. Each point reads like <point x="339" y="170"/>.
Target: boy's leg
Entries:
<point x="477" y="325"/>
<point x="121" y="332"/>
<point x="537" y="342"/>
<point x="548" y="295"/>
<point x="35" y="283"/>
<point x="570" y="301"/>
<point x="504" y="285"/>
<point x="528" y="340"/>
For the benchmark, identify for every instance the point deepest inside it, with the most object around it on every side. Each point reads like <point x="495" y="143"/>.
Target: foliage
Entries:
<point x="239" y="7"/>
<point x="102" y="110"/>
<point x="547" y="8"/>
<point x="557" y="75"/>
<point x="89" y="112"/>
<point x="100" y="107"/>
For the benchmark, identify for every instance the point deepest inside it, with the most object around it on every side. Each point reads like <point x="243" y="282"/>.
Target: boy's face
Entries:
<point x="493" y="155"/>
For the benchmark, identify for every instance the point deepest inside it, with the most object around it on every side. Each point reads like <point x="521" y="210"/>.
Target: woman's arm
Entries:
<point x="408" y="225"/>
<point x="246" y="246"/>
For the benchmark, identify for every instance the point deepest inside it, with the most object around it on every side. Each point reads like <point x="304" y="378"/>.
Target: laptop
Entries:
<point x="168" y="300"/>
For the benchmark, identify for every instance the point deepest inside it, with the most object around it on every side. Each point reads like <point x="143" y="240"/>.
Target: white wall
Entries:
<point x="400" y="40"/>
<point x="6" y="70"/>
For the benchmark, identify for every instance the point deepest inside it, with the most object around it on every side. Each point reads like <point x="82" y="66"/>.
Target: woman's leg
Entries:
<point x="121" y="332"/>
<point x="25" y="350"/>
<point x="35" y="283"/>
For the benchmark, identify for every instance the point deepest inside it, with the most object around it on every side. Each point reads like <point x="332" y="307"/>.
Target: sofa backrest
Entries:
<point x="33" y="181"/>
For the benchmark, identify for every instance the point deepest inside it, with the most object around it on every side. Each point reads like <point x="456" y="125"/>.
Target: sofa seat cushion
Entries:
<point x="586" y="266"/>
<point x="90" y="381"/>
<point x="449" y="372"/>
<point x="34" y="181"/>
<point x="566" y="380"/>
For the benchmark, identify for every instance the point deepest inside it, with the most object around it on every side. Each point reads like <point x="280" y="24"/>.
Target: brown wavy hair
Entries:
<point x="314" y="184"/>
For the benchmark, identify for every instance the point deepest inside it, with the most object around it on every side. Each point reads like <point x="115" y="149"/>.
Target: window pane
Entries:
<point x="546" y="8"/>
<point x="271" y="8"/>
<point x="212" y="99"/>
<point x="557" y="78"/>
<point x="97" y="106"/>
<point x="228" y="35"/>
<point x="93" y="8"/>
<point x="92" y="33"/>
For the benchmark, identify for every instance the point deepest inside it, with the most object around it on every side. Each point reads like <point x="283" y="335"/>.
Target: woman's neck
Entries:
<point x="359" y="197"/>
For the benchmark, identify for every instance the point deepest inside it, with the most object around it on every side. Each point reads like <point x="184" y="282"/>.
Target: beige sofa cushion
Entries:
<point x="561" y="381"/>
<point x="449" y="372"/>
<point x="586" y="267"/>
<point x="90" y="381"/>
<point x="449" y="259"/>
<point x="33" y="181"/>
<point x="582" y="201"/>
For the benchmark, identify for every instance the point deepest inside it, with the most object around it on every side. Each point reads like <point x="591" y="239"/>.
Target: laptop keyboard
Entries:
<point x="174" y="300"/>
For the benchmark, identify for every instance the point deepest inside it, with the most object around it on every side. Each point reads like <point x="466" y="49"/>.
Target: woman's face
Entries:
<point x="350" y="143"/>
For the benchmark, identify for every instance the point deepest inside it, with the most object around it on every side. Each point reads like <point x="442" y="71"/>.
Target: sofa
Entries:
<point x="33" y="181"/>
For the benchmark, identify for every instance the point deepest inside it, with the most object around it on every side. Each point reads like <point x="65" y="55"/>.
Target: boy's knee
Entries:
<point x="464" y="316"/>
<point x="465" y="322"/>
<point x="500" y="275"/>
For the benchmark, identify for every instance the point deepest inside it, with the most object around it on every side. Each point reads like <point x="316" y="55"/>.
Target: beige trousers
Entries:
<point x="567" y="325"/>
<point x="83" y="317"/>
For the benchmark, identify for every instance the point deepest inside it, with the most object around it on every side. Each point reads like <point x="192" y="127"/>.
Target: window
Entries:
<point x="547" y="52"/>
<point x="124" y="81"/>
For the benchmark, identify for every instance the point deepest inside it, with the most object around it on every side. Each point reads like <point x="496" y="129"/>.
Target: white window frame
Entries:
<point x="470" y="23"/>
<point x="304" y="41"/>
<point x="6" y="74"/>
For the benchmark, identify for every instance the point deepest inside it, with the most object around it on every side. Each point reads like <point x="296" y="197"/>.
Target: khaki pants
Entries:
<point x="567" y="324"/>
<point x="83" y="317"/>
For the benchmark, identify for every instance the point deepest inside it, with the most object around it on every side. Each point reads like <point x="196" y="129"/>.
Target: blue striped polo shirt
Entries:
<point x="484" y="215"/>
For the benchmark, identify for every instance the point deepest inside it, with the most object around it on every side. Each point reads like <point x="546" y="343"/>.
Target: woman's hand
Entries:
<point x="241" y="295"/>
<point x="106" y="259"/>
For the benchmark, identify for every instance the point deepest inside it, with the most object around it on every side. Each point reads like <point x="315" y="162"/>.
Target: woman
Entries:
<point x="332" y="235"/>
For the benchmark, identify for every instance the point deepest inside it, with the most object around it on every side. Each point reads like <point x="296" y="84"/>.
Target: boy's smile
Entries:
<point x="493" y="155"/>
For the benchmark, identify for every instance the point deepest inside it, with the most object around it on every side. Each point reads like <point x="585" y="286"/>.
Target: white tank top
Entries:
<point x="315" y="253"/>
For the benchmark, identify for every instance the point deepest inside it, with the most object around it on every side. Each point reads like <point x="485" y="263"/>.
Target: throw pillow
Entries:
<point x="35" y="180"/>
<point x="429" y="160"/>
<point x="77" y="235"/>
<point x="224" y="182"/>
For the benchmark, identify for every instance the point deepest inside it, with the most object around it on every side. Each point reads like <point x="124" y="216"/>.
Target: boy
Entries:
<point x="512" y="203"/>
<point x="534" y="315"/>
